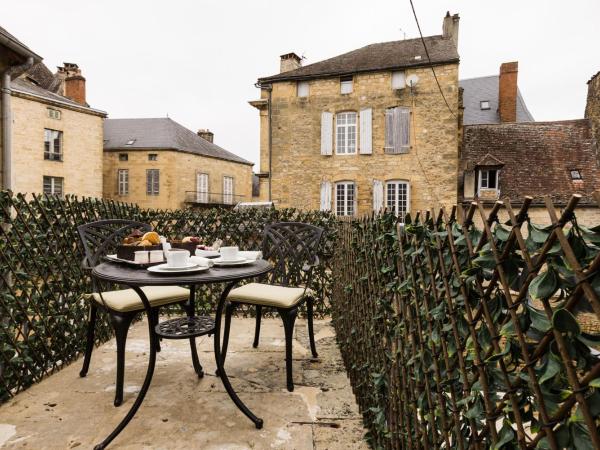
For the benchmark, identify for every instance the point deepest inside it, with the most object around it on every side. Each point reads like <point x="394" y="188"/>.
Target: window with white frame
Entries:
<point x="488" y="179"/>
<point x="397" y="198"/>
<point x="123" y="181"/>
<point x="228" y="190"/>
<point x="152" y="181"/>
<point x="346" y="85"/>
<point x="53" y="145"/>
<point x="53" y="186"/>
<point x="303" y="89"/>
<point x="345" y="198"/>
<point x="202" y="187"/>
<point x="54" y="113"/>
<point x="398" y="79"/>
<point x="345" y="125"/>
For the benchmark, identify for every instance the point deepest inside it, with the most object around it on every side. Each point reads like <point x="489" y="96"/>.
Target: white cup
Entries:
<point x="178" y="258"/>
<point x="140" y="257"/>
<point x="229" y="253"/>
<point x="156" y="256"/>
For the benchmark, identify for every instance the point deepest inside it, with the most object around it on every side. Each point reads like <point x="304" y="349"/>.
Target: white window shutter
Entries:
<point x="377" y="196"/>
<point x="326" y="133"/>
<point x="325" y="196"/>
<point x="402" y="128"/>
<point x="366" y="133"/>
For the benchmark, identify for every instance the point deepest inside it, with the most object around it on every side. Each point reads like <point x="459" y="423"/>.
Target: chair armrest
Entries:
<point x="85" y="265"/>
<point x="310" y="266"/>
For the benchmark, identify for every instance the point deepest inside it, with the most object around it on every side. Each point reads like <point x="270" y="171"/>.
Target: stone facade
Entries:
<point x="177" y="176"/>
<point x="81" y="147"/>
<point x="297" y="166"/>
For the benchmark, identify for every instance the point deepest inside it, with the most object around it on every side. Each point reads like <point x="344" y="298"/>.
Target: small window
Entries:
<point x="53" y="186"/>
<point x="397" y="198"/>
<point x="152" y="157"/>
<point x="576" y="174"/>
<point x="488" y="179"/>
<point x="484" y="104"/>
<point x="202" y="187"/>
<point x="130" y="142"/>
<point x="346" y="85"/>
<point x="152" y="182"/>
<point x="123" y="181"/>
<point x="53" y="113"/>
<point x="398" y="80"/>
<point x="303" y="89"/>
<point x="123" y="157"/>
<point x="228" y="190"/>
<point x="345" y="133"/>
<point x="345" y="198"/>
<point x="53" y="145"/>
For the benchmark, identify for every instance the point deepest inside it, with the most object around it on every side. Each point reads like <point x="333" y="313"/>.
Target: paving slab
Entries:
<point x="183" y="412"/>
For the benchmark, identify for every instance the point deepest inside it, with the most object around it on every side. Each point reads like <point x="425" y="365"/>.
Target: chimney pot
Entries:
<point x="507" y="92"/>
<point x="72" y="82"/>
<point x="206" y="134"/>
<point x="289" y="61"/>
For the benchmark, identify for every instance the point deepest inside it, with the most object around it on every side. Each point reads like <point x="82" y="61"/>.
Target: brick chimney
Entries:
<point x="507" y="92"/>
<point x="450" y="27"/>
<point x="289" y="61"/>
<point x="73" y="83"/>
<point x="207" y="135"/>
<point x="592" y="106"/>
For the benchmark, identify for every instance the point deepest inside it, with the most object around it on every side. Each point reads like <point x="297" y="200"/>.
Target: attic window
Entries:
<point x="32" y="81"/>
<point x="576" y="175"/>
<point x="418" y="58"/>
<point x="130" y="142"/>
<point x="484" y="104"/>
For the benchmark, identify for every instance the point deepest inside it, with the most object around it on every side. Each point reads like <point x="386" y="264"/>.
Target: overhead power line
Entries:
<point x="429" y="60"/>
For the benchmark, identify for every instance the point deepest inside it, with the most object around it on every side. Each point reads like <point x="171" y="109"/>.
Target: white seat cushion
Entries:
<point x="127" y="300"/>
<point x="268" y="295"/>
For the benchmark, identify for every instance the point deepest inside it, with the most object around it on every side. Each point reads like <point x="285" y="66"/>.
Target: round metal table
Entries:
<point x="135" y="278"/>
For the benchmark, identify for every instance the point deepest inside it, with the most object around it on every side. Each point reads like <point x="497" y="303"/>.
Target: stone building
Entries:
<point x="364" y="130"/>
<point x="159" y="163"/>
<point x="511" y="159"/>
<point x="52" y="139"/>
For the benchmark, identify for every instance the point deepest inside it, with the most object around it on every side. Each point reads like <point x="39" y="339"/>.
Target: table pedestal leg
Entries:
<point x="191" y="312"/>
<point x="220" y="369"/>
<point x="151" y="363"/>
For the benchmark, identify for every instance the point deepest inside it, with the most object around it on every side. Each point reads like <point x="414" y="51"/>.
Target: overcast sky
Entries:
<point x="197" y="61"/>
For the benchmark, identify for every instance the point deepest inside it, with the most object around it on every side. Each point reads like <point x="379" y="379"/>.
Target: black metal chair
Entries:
<point x="99" y="238"/>
<point x="292" y="248"/>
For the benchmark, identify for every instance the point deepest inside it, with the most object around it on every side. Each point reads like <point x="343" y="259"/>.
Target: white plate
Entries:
<point x="232" y="262"/>
<point x="161" y="268"/>
<point x="188" y="265"/>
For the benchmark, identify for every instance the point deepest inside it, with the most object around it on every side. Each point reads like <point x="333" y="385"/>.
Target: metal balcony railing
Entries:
<point x="213" y="198"/>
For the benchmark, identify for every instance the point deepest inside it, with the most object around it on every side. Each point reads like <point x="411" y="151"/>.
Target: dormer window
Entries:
<point x="488" y="180"/>
<point x="130" y="142"/>
<point x="346" y="85"/>
<point x="576" y="174"/>
<point x="484" y="105"/>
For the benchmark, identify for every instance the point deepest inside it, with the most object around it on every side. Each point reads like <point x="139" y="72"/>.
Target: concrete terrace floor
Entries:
<point x="182" y="412"/>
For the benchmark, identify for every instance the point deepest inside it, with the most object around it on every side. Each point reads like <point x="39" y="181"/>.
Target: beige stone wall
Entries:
<point x="298" y="166"/>
<point x="586" y="215"/>
<point x="82" y="149"/>
<point x="177" y="175"/>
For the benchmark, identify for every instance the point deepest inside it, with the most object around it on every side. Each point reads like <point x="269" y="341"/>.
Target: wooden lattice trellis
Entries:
<point x="42" y="313"/>
<point x="459" y="337"/>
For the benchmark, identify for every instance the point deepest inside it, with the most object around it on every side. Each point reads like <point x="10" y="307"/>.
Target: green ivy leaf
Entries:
<point x="565" y="322"/>
<point x="552" y="367"/>
<point x="506" y="435"/>
<point x="539" y="321"/>
<point x="544" y="285"/>
<point x="580" y="436"/>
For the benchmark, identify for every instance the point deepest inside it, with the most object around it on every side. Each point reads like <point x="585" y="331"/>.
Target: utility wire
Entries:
<point x="429" y="59"/>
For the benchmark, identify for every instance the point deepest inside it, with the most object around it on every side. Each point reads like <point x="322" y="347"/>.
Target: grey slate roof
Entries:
<point x="382" y="56"/>
<point x="161" y="133"/>
<point x="18" y="45"/>
<point x="486" y="88"/>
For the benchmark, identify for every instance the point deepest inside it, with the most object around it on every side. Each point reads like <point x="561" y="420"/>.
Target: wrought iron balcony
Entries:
<point x="213" y="198"/>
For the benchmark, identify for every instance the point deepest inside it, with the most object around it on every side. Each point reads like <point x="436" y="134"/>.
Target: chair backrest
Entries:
<point x="101" y="237"/>
<point x="292" y="248"/>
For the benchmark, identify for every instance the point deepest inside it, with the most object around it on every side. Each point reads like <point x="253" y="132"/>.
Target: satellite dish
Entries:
<point x="412" y="80"/>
